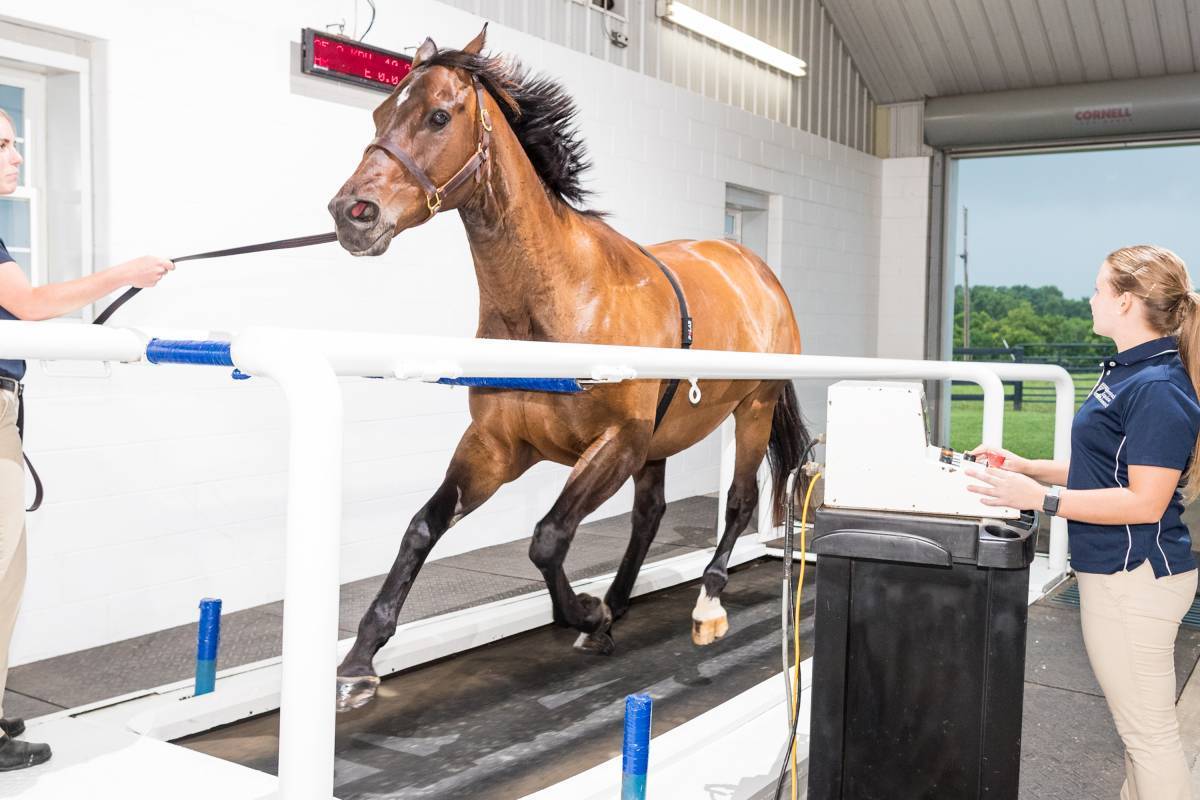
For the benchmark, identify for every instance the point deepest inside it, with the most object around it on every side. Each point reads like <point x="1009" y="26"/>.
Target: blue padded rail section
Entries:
<point x="554" y="385"/>
<point x="183" y="351"/>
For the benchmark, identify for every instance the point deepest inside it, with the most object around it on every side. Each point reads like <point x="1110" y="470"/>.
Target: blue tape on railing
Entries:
<point x="555" y="385"/>
<point x="172" y="351"/>
<point x="208" y="642"/>
<point x="635" y="752"/>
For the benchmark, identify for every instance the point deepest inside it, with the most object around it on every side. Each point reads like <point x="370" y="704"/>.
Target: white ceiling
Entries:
<point x="912" y="49"/>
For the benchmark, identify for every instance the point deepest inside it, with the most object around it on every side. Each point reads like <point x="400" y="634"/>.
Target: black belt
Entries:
<point x="14" y="386"/>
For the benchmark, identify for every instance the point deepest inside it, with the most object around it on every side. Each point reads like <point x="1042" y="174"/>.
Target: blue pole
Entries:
<point x="635" y="753"/>
<point x="208" y="640"/>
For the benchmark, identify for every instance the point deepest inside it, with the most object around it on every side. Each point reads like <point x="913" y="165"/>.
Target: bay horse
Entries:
<point x="502" y="144"/>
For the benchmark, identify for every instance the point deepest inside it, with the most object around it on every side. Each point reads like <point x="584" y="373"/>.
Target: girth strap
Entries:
<point x="685" y="321"/>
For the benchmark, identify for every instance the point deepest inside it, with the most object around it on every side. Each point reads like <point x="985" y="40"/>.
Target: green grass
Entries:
<point x="1028" y="432"/>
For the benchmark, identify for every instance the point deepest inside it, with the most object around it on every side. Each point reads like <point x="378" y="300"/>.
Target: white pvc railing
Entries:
<point x="306" y="363"/>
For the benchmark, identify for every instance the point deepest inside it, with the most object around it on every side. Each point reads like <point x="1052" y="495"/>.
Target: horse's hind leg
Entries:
<point x="649" y="504"/>
<point x="598" y="474"/>
<point x="480" y="466"/>
<point x="752" y="432"/>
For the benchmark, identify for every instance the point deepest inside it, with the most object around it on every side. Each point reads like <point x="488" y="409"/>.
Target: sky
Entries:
<point x="1051" y="219"/>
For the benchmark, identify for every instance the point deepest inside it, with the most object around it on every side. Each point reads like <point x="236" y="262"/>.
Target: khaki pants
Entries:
<point x="1130" y="620"/>
<point x="12" y="529"/>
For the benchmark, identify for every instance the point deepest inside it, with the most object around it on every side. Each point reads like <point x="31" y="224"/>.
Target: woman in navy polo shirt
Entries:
<point x="19" y="300"/>
<point x="1133" y="446"/>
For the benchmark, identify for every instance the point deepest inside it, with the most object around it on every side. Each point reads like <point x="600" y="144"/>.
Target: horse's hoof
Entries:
<point x="598" y="642"/>
<point x="709" y="620"/>
<point x="593" y="604"/>
<point x="355" y="692"/>
<point x="707" y="631"/>
<point x="595" y="644"/>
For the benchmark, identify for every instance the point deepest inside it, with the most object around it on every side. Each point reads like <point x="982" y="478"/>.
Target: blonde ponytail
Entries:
<point x="1189" y="354"/>
<point x="1161" y="280"/>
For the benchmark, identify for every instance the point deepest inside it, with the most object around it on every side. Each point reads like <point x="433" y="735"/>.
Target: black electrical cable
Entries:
<point x="370" y="24"/>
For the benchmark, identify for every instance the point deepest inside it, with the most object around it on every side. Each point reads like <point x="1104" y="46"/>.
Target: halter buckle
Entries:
<point x="433" y="204"/>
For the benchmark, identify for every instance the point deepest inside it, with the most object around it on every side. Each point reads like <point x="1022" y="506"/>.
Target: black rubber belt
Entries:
<point x="685" y="321"/>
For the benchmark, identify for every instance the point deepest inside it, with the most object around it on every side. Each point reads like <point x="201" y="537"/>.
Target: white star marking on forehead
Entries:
<point x="403" y="95"/>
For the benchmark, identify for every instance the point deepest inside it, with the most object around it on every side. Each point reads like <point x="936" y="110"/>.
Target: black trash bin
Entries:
<point x="919" y="656"/>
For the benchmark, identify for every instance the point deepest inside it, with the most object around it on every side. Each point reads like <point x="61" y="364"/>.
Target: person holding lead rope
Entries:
<point x="20" y="301"/>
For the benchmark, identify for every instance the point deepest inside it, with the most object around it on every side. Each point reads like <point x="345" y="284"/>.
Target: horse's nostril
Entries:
<point x="363" y="212"/>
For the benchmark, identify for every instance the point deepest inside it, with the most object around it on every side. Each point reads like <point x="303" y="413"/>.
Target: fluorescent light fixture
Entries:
<point x="687" y="17"/>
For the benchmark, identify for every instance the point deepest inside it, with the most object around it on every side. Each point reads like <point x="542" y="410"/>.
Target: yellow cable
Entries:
<point x="796" y="617"/>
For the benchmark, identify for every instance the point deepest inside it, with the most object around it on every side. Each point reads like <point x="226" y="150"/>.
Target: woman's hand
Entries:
<point x="1012" y="461"/>
<point x="144" y="272"/>
<point x="1005" y="487"/>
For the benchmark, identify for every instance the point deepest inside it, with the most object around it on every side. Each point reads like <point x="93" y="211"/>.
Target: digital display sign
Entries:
<point x="329" y="56"/>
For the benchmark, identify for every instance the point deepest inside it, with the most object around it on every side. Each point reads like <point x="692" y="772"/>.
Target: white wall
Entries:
<point x="903" y="261"/>
<point x="167" y="484"/>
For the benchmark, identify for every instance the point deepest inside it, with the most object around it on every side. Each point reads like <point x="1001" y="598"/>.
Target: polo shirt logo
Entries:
<point x="1104" y="394"/>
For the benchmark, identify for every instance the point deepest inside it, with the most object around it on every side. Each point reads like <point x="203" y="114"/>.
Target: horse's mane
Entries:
<point x="542" y="116"/>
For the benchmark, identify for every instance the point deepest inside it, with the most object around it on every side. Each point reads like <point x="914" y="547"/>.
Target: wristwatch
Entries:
<point x="1050" y="501"/>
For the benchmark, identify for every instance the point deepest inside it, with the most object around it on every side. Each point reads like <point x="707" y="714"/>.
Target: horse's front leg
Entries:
<point x="480" y="466"/>
<point x="601" y="470"/>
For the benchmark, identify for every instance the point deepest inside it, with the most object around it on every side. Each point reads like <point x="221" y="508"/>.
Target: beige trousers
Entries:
<point x="12" y="529"/>
<point x="1130" y="620"/>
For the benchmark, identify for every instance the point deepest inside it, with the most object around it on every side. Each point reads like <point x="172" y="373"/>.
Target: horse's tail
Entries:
<point x="789" y="445"/>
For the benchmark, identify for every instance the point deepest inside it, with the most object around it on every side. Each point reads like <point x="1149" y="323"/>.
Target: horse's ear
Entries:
<point x="426" y="51"/>
<point x="475" y="47"/>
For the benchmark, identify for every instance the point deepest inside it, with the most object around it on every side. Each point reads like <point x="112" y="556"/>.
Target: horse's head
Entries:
<point x="431" y="140"/>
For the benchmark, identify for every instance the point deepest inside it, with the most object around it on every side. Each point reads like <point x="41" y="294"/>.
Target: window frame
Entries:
<point x="32" y="190"/>
<point x="62" y="72"/>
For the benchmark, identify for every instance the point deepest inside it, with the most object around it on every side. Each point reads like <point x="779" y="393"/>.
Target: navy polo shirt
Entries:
<point x="9" y="368"/>
<point x="1143" y="411"/>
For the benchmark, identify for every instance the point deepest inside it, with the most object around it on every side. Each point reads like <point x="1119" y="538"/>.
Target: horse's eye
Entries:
<point x="439" y="118"/>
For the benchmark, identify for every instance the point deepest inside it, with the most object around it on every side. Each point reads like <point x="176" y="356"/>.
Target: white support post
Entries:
<point x="1064" y="412"/>
<point x="311" y="587"/>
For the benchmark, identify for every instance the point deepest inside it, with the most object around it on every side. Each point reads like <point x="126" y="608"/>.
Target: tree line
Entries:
<point x="1004" y="316"/>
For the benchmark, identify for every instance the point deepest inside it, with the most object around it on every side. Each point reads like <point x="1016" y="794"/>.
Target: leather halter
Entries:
<point x="434" y="194"/>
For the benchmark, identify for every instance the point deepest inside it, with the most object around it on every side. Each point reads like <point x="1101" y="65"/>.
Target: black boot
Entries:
<point x="19" y="755"/>
<point x="13" y="727"/>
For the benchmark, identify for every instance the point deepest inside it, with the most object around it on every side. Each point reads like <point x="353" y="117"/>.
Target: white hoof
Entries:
<point x="709" y="620"/>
